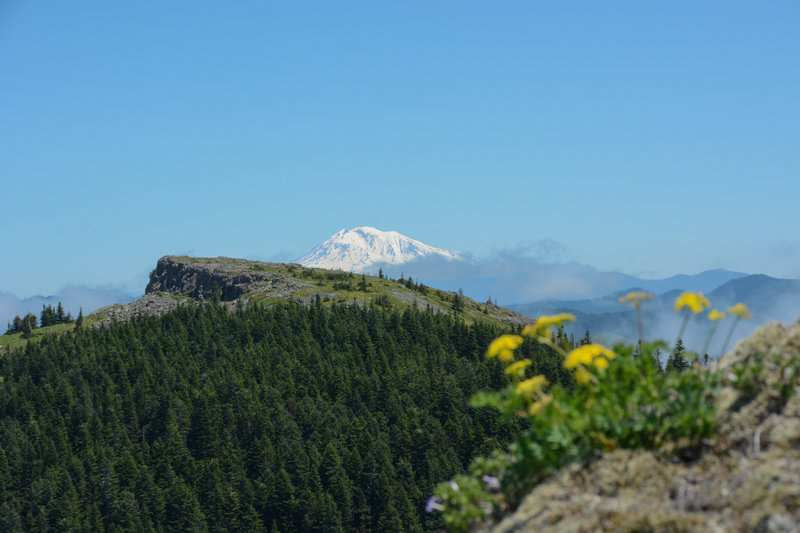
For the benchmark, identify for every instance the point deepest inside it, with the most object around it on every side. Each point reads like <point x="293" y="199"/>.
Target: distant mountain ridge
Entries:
<point x="769" y="299"/>
<point x="364" y="248"/>
<point x="705" y="281"/>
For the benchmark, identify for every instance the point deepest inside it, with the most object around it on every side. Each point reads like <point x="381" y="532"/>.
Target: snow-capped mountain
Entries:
<point x="361" y="249"/>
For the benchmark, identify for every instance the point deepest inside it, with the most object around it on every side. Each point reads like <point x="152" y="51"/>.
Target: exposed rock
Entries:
<point x="149" y="304"/>
<point x="417" y="299"/>
<point x="223" y="277"/>
<point x="746" y="480"/>
<point x="181" y="280"/>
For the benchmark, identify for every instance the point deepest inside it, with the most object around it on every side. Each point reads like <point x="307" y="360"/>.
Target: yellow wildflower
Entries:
<point x="536" y="407"/>
<point x="740" y="310"/>
<point x="695" y="301"/>
<point x="518" y="368"/>
<point x="582" y="376"/>
<point x="716" y="315"/>
<point x="601" y="363"/>
<point x="584" y="355"/>
<point x="541" y="328"/>
<point x="530" y="386"/>
<point x="636" y="298"/>
<point x="503" y="347"/>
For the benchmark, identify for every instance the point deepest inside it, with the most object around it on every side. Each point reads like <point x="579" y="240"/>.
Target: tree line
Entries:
<point x="49" y="316"/>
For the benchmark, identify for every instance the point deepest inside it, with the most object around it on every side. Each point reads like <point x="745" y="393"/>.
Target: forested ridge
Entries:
<point x="286" y="418"/>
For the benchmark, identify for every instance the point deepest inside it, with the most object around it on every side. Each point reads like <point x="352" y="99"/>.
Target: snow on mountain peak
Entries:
<point x="357" y="249"/>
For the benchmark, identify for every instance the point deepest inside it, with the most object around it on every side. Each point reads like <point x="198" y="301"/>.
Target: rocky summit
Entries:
<point x="179" y="280"/>
<point x="223" y="278"/>
<point x="182" y="280"/>
<point x="746" y="479"/>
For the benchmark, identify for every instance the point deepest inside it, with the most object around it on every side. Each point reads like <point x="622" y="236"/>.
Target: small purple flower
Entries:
<point x="492" y="483"/>
<point x="434" y="504"/>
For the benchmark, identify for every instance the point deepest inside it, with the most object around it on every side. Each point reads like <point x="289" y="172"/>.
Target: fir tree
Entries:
<point x="458" y="301"/>
<point x="28" y="324"/>
<point x="677" y="361"/>
<point x="48" y="316"/>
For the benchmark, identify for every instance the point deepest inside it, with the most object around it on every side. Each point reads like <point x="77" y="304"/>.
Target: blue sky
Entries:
<point x="652" y="138"/>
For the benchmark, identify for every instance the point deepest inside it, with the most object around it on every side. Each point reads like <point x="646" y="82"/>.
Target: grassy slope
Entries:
<point x="332" y="286"/>
<point x="12" y="340"/>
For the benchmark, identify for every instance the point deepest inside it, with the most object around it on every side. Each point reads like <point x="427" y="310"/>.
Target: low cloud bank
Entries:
<point x="515" y="275"/>
<point x="72" y="298"/>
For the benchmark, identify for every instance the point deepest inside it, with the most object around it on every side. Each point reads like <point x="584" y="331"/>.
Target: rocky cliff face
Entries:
<point x="225" y="278"/>
<point x="185" y="281"/>
<point x="747" y="479"/>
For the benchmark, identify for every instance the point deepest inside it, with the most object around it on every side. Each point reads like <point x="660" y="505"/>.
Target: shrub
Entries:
<point x="621" y="399"/>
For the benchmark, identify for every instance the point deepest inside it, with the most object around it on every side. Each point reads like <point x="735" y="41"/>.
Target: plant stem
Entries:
<point x="639" y="319"/>
<point x="708" y="340"/>
<point x="686" y="316"/>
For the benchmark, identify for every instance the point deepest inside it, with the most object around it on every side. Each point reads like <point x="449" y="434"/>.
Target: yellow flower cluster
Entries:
<point x="532" y="389"/>
<point x="636" y="298"/>
<point x="518" y="368"/>
<point x="582" y="376"/>
<point x="695" y="301"/>
<point x="538" y="405"/>
<point x="531" y="386"/>
<point x="540" y="330"/>
<point x="740" y="310"/>
<point x="589" y="354"/>
<point x="503" y="347"/>
<point x="716" y="315"/>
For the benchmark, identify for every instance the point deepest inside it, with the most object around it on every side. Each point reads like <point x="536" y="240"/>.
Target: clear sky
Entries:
<point x="652" y="138"/>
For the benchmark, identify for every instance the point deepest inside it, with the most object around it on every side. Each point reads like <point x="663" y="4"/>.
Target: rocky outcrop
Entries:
<point x="188" y="280"/>
<point x="149" y="304"/>
<point x="223" y="277"/>
<point x="179" y="280"/>
<point x="747" y="479"/>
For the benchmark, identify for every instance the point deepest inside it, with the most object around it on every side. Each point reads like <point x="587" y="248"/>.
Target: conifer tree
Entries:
<point x="48" y="316"/>
<point x="458" y="301"/>
<point x="28" y="324"/>
<point x="677" y="361"/>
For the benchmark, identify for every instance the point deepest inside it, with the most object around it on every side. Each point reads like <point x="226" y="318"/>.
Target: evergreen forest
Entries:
<point x="282" y="418"/>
